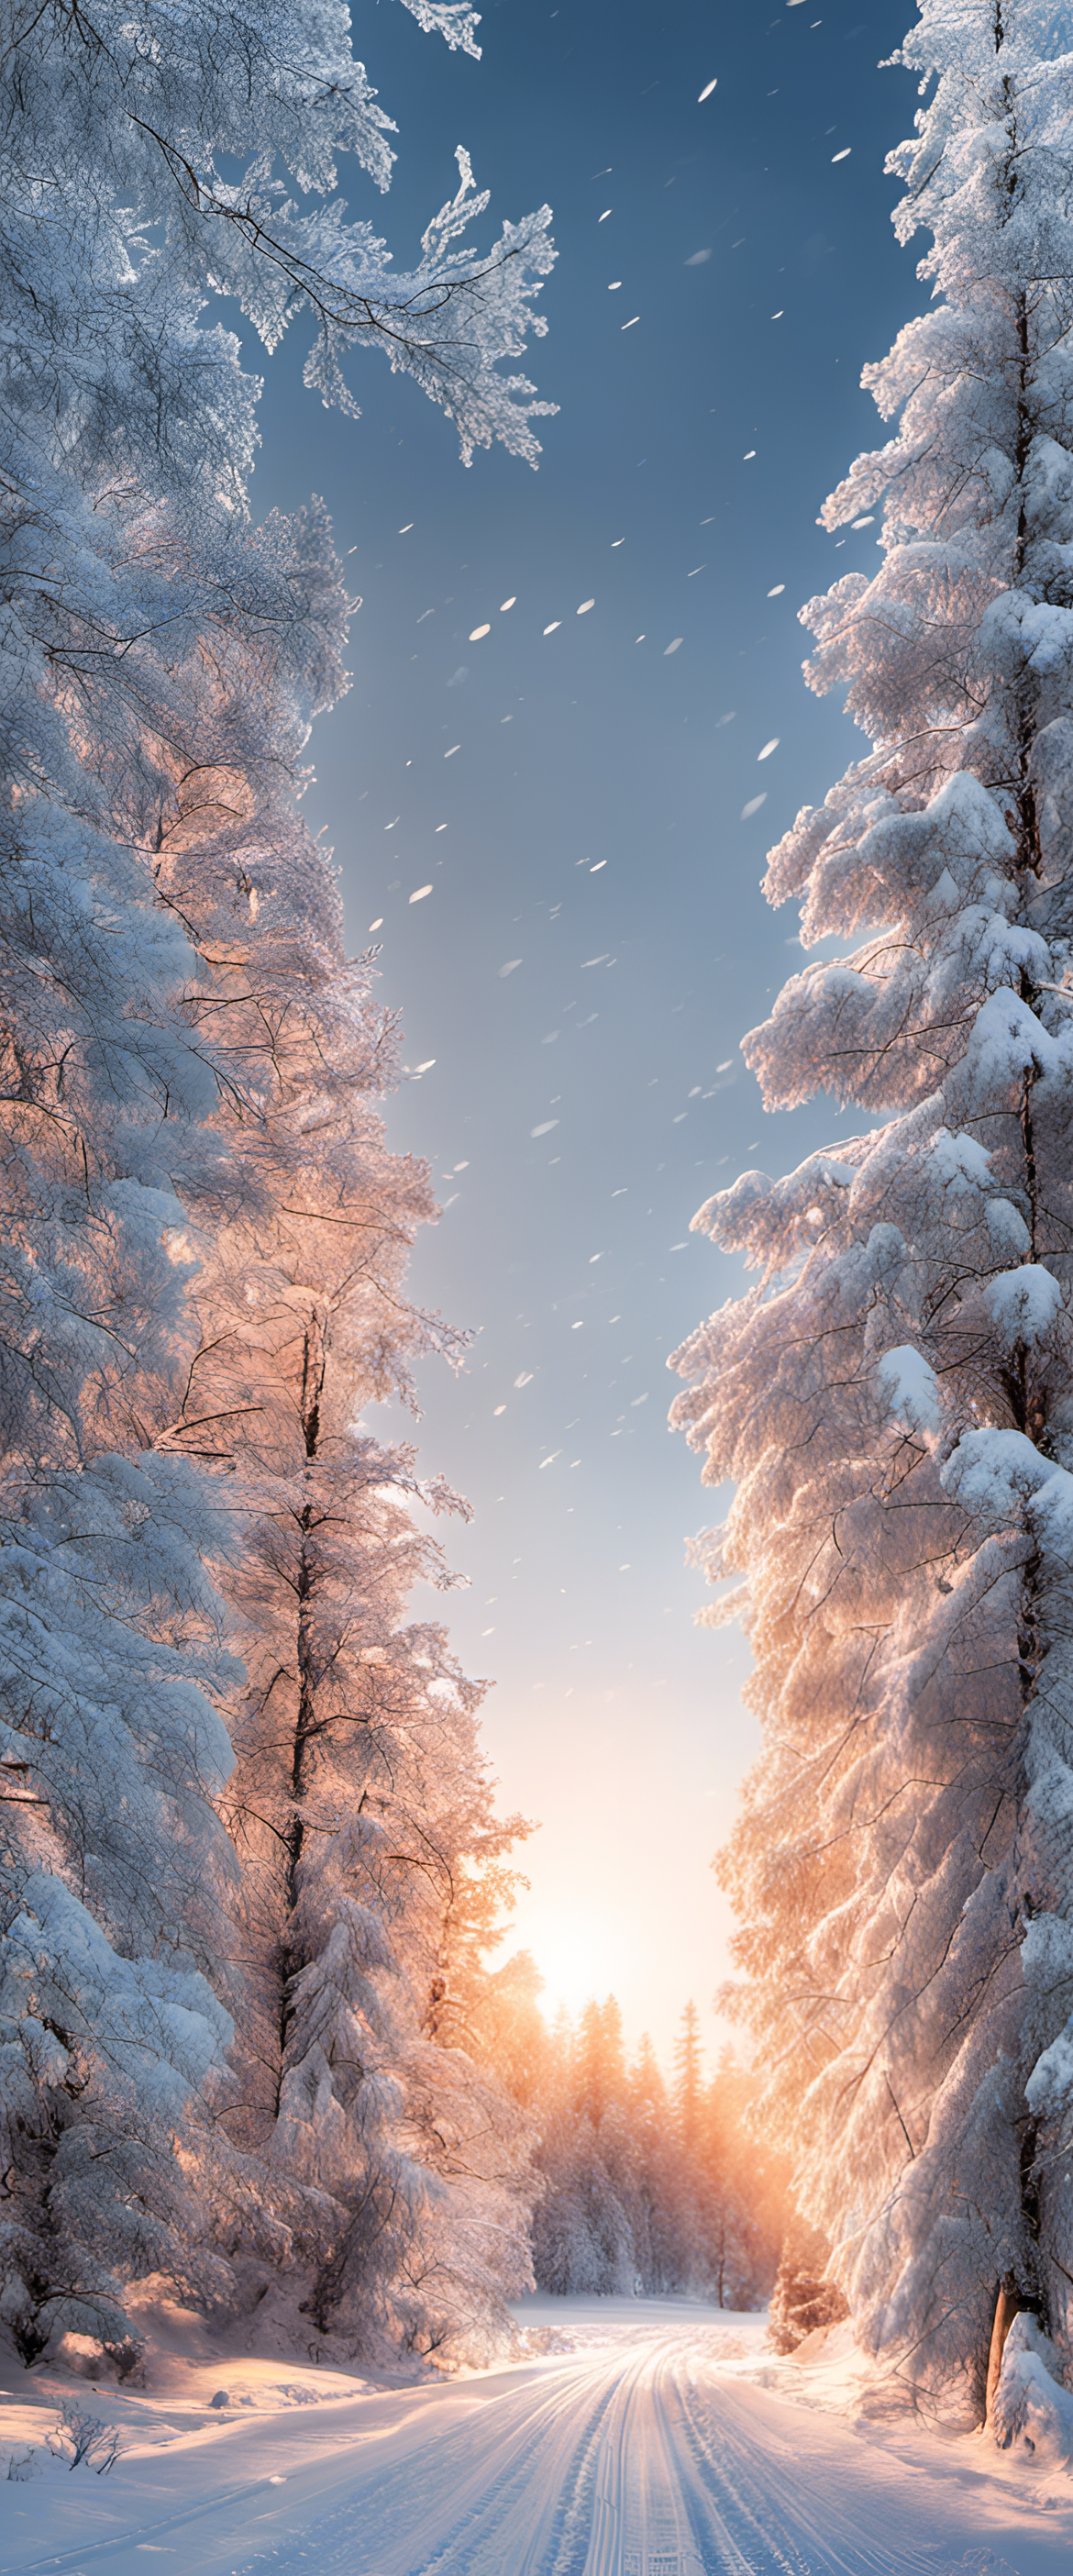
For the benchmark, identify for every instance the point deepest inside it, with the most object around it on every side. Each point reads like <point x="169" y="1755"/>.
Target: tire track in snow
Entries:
<point x="464" y="2550"/>
<point x="727" y="2466"/>
<point x="638" y="2456"/>
<point x="505" y="2491"/>
<point x="642" y="2520"/>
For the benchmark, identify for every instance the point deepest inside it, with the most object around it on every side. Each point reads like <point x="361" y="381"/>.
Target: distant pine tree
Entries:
<point x="688" y="2075"/>
<point x="629" y="2202"/>
<point x="598" y="2060"/>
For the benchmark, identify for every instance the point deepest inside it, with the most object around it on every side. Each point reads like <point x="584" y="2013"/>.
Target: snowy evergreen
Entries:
<point x="804" y="2298"/>
<point x="118" y="1878"/>
<point x="642" y="2191"/>
<point x="369" y="2159"/>
<point x="162" y="662"/>
<point x="894" y="1398"/>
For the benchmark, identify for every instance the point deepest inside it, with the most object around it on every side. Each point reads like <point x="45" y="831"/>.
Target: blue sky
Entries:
<point x="575" y="800"/>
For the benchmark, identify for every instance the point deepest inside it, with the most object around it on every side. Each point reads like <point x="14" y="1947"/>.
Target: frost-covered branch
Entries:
<point x="145" y="119"/>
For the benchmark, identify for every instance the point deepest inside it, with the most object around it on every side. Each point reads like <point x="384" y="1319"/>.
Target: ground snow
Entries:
<point x="638" y="2437"/>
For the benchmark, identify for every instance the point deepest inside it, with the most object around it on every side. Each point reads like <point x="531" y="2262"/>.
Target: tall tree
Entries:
<point x="162" y="662"/>
<point x="688" y="2074"/>
<point x="371" y="1859"/>
<point x="599" y="2064"/>
<point x="895" y="1397"/>
<point x="119" y="1885"/>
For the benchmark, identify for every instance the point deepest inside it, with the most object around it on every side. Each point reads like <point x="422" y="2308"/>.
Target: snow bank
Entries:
<point x="1033" y="2410"/>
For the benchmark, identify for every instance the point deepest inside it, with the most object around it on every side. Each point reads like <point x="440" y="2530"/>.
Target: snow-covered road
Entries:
<point x="648" y="2450"/>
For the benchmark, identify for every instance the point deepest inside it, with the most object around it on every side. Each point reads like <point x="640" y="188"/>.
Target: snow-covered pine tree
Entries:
<point x="689" y="2074"/>
<point x="359" y="1806"/>
<point x="895" y="1397"/>
<point x="126" y="435"/>
<point x="627" y="2202"/>
<point x="118" y="1881"/>
<point x="114" y="1872"/>
<point x="583" y="2236"/>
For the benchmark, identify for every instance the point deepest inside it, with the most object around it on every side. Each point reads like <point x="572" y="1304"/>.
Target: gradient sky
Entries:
<point x="574" y="800"/>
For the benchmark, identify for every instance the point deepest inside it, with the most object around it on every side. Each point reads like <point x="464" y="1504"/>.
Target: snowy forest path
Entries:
<point x="644" y="2451"/>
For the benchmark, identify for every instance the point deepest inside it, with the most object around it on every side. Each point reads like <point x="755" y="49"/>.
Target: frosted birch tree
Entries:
<point x="894" y="1397"/>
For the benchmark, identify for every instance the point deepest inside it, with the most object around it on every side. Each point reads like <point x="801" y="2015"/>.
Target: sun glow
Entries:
<point x="577" y="1958"/>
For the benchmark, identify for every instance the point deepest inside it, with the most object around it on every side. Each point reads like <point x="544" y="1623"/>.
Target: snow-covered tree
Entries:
<point x="371" y="1860"/>
<point x="126" y="438"/>
<point x="120" y="1885"/>
<point x="894" y="1398"/>
<point x="688" y="2068"/>
<point x="362" y="1813"/>
<point x="804" y="2298"/>
<point x="629" y="2203"/>
<point x="118" y="228"/>
<point x="151" y="162"/>
<point x="505" y="2028"/>
<point x="161" y="664"/>
<point x="116" y="1876"/>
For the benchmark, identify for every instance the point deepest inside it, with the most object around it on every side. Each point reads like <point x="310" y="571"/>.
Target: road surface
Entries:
<point x="642" y="2452"/>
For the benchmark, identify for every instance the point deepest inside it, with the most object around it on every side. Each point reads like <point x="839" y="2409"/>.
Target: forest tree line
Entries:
<point x="646" y="2187"/>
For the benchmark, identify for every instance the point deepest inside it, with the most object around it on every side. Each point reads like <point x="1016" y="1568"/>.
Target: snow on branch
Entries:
<point x="241" y="1789"/>
<point x="215" y="144"/>
<point x="454" y="20"/>
<point x="447" y="323"/>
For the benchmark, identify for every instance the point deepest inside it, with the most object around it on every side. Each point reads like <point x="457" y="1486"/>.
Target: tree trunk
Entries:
<point x="1008" y="2305"/>
<point x="313" y="1371"/>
